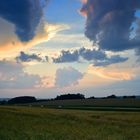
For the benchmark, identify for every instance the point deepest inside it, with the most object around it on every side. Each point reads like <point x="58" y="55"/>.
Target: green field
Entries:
<point x="36" y="123"/>
<point x="93" y="104"/>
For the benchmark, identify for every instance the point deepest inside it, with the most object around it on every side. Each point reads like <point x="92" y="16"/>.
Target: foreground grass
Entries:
<point x="32" y="123"/>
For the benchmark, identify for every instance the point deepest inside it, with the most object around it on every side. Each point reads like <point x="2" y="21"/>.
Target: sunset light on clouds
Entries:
<point x="48" y="47"/>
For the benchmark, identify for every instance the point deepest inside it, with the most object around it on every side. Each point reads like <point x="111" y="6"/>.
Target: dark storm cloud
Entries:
<point x="138" y="36"/>
<point x="67" y="56"/>
<point x="109" y="23"/>
<point x="73" y="56"/>
<point x="112" y="60"/>
<point x="93" y="54"/>
<point x="23" y="57"/>
<point x="97" y="57"/>
<point x="24" y="14"/>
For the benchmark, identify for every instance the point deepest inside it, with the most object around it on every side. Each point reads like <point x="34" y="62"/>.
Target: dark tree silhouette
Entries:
<point x="92" y="97"/>
<point x="22" y="99"/>
<point x="129" y="97"/>
<point x="3" y="102"/>
<point x="111" y="96"/>
<point x="70" y="96"/>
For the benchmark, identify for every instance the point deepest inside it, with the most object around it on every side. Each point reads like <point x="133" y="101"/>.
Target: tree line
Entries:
<point x="31" y="99"/>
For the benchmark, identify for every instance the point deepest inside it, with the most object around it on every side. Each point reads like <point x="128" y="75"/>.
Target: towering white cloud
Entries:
<point x="67" y="77"/>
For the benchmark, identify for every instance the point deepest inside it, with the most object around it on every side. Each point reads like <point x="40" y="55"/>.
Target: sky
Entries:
<point x="51" y="47"/>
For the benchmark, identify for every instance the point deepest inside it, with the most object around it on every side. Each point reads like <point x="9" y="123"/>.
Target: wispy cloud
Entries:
<point x="12" y="46"/>
<point x="113" y="73"/>
<point x="12" y="76"/>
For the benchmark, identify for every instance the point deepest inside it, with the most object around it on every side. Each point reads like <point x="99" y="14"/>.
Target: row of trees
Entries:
<point x="30" y="99"/>
<point x="19" y="100"/>
<point x="70" y="96"/>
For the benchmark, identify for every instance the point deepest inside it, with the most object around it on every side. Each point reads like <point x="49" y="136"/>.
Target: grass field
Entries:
<point x="93" y="104"/>
<point x="36" y="123"/>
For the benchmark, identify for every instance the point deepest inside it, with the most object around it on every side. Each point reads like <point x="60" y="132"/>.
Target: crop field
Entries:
<point x="93" y="104"/>
<point x="42" y="123"/>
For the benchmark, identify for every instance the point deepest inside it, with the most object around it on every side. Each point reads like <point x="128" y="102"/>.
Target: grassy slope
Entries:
<point x="32" y="123"/>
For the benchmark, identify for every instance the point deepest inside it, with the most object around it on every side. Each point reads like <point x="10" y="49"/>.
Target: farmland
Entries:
<point x="37" y="123"/>
<point x="93" y="104"/>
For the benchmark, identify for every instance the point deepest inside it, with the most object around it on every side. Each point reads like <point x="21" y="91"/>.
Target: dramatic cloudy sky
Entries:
<point x="51" y="47"/>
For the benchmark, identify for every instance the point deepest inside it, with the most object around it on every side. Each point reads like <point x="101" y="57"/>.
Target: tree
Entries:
<point x="70" y="96"/>
<point x="3" y="102"/>
<point x="129" y="97"/>
<point x="22" y="99"/>
<point x="112" y="96"/>
<point x="92" y="97"/>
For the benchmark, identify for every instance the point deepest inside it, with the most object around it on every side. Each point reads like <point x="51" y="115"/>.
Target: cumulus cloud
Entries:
<point x="12" y="76"/>
<point x="109" y="23"/>
<point x="67" y="56"/>
<point x="92" y="54"/>
<point x="97" y="57"/>
<point x="67" y="77"/>
<point x="24" y="14"/>
<point x="23" y="57"/>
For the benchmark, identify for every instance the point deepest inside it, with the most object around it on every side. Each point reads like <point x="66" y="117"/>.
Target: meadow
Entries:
<point x="42" y="123"/>
<point x="93" y="104"/>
